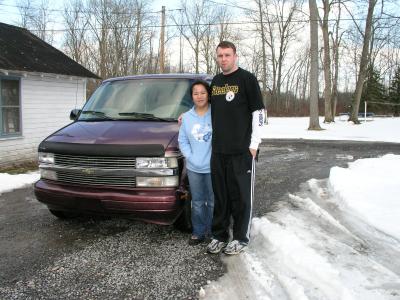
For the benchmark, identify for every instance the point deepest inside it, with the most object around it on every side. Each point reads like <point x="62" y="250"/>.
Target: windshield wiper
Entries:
<point x="146" y="116"/>
<point x="100" y="114"/>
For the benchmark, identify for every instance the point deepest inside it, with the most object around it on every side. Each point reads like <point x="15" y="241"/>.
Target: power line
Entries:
<point x="85" y="10"/>
<point x="78" y="11"/>
<point x="234" y="6"/>
<point x="203" y="24"/>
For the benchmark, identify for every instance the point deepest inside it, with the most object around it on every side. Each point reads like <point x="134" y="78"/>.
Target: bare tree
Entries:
<point x="36" y="18"/>
<point x="385" y="29"/>
<point x="196" y="18"/>
<point x="100" y="23"/>
<point x="327" y="62"/>
<point x="141" y="37"/>
<point x="41" y="20"/>
<point x="263" y="44"/>
<point x="219" y="31"/>
<point x="279" y="30"/>
<point x="252" y="57"/>
<point x="25" y="10"/>
<point x="118" y="37"/>
<point x="365" y="56"/>
<point x="75" y="35"/>
<point x="336" y="42"/>
<point x="222" y="31"/>
<point x="207" y="49"/>
<point x="314" y="115"/>
<point x="301" y="73"/>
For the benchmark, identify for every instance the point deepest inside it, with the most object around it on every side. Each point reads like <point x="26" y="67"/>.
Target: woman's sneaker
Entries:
<point x="235" y="247"/>
<point x="215" y="246"/>
<point x="194" y="240"/>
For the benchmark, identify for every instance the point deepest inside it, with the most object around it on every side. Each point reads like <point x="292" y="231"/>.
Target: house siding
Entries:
<point x="45" y="107"/>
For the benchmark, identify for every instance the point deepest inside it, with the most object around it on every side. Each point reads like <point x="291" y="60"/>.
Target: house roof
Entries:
<point x="20" y="50"/>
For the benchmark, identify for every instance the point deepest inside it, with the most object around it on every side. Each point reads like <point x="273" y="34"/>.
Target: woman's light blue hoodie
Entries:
<point x="195" y="140"/>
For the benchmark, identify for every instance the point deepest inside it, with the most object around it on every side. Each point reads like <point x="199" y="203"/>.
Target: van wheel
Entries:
<point x="184" y="221"/>
<point x="63" y="214"/>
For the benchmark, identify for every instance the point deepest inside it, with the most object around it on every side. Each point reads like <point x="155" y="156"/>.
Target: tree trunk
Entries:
<point x="327" y="64"/>
<point x="363" y="63"/>
<point x="335" y="53"/>
<point x="264" y="57"/>
<point x="314" y="116"/>
<point x="137" y="42"/>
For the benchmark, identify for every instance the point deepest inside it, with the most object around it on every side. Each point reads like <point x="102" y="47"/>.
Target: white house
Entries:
<point x="39" y="86"/>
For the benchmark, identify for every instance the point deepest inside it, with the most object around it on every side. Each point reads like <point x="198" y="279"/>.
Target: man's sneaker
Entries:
<point x="215" y="246"/>
<point x="234" y="247"/>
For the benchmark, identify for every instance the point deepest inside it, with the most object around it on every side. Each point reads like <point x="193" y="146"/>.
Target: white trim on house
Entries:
<point x="45" y="106"/>
<point x="27" y="74"/>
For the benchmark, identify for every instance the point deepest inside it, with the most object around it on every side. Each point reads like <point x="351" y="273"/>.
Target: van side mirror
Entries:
<point x="74" y="114"/>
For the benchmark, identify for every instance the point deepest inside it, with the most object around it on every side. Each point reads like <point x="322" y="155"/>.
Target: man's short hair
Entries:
<point x="226" y="44"/>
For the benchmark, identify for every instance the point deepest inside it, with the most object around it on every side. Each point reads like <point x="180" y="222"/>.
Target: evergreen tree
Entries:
<point x="373" y="92"/>
<point x="394" y="92"/>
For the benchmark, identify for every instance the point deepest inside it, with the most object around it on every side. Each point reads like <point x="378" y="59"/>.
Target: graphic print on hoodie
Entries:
<point x="202" y="132"/>
<point x="194" y="138"/>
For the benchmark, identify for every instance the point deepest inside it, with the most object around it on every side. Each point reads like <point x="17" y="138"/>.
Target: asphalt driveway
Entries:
<point x="42" y="257"/>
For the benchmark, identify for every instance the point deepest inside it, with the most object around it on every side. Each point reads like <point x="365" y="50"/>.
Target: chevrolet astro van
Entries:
<point x="120" y="155"/>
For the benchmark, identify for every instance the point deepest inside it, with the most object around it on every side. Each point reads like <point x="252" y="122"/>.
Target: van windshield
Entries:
<point x="139" y="99"/>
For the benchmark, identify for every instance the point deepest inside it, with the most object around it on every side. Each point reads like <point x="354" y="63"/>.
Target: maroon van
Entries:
<point x="121" y="153"/>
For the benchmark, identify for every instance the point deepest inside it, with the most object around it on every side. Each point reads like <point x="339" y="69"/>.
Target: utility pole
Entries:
<point x="162" y="52"/>
<point x="180" y="55"/>
<point x="180" y="44"/>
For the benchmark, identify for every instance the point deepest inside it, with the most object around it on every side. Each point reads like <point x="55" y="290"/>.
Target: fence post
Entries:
<point x="365" y="111"/>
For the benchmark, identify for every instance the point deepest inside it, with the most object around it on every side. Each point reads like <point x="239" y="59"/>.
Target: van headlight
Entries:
<point x="156" y="162"/>
<point x="167" y="181"/>
<point x="46" y="158"/>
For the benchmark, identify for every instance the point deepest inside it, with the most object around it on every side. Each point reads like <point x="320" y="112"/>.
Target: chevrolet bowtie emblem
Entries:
<point x="88" y="171"/>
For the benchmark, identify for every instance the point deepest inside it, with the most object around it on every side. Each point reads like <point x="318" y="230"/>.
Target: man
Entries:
<point x="237" y="114"/>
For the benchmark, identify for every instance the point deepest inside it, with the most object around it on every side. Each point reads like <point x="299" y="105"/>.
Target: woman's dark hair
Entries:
<point x="203" y="83"/>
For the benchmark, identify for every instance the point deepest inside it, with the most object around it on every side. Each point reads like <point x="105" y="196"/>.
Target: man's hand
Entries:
<point x="253" y="152"/>
<point x="180" y="119"/>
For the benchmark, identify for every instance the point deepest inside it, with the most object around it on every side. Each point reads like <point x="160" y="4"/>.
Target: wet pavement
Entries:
<point x="42" y="257"/>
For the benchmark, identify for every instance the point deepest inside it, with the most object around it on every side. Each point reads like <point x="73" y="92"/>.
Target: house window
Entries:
<point x="10" y="116"/>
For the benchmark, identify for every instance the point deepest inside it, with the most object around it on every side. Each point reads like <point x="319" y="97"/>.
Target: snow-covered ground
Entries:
<point x="10" y="182"/>
<point x="378" y="129"/>
<point x="337" y="238"/>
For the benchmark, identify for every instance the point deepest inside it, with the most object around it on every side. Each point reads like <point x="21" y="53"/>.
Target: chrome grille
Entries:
<point x="102" y="162"/>
<point x="95" y="162"/>
<point x="82" y="179"/>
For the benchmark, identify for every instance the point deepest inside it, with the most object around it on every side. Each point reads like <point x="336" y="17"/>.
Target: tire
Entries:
<point x="63" y="215"/>
<point x="184" y="221"/>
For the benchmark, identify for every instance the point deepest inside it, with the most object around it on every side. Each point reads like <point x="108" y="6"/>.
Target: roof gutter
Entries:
<point x="43" y="75"/>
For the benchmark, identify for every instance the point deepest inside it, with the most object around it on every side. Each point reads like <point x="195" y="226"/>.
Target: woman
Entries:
<point x="195" y="144"/>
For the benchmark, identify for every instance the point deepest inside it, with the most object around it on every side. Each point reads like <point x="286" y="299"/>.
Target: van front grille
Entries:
<point x="82" y="179"/>
<point x="94" y="162"/>
<point x="101" y="162"/>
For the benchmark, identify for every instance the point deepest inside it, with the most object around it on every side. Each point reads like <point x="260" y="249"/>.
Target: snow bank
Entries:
<point x="10" y="182"/>
<point x="371" y="188"/>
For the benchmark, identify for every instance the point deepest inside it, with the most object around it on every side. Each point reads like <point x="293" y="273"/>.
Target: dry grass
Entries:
<point x="19" y="168"/>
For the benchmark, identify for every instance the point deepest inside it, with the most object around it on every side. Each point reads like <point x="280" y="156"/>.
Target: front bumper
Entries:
<point x="155" y="205"/>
